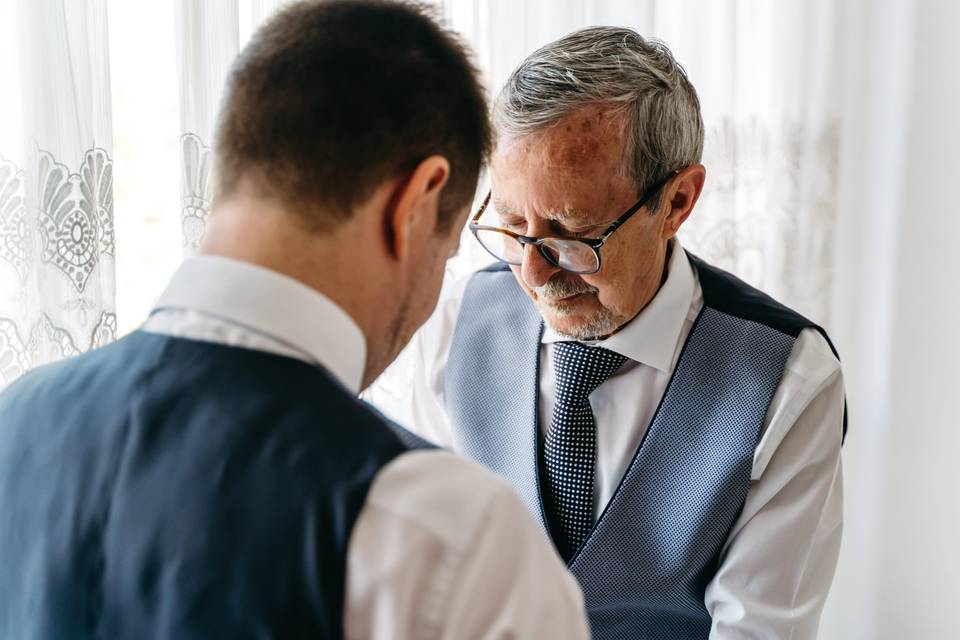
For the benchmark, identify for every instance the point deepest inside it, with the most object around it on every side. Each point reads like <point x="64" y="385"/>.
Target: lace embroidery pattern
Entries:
<point x="54" y="222"/>
<point x="195" y="189"/>
<point x="76" y="214"/>
<point x="46" y="343"/>
<point x="106" y="330"/>
<point x="13" y="221"/>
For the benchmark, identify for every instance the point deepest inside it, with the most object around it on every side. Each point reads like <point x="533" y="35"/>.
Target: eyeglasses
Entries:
<point x="576" y="255"/>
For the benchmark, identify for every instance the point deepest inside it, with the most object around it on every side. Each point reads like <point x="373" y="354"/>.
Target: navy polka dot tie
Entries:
<point x="570" y="446"/>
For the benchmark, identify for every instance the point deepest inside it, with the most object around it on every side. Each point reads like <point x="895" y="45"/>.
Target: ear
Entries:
<point x="681" y="196"/>
<point x="411" y="213"/>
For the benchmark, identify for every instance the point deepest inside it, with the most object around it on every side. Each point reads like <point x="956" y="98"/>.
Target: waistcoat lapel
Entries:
<point x="502" y="370"/>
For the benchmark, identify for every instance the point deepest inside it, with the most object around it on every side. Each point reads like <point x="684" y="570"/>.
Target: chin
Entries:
<point x="579" y="325"/>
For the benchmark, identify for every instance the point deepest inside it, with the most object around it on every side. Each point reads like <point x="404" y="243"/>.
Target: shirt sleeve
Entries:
<point x="780" y="558"/>
<point x="427" y="562"/>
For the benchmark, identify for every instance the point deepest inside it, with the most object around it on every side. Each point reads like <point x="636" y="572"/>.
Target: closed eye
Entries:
<point x="583" y="232"/>
<point x="517" y="225"/>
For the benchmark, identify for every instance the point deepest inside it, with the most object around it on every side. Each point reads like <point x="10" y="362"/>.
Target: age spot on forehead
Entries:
<point x="573" y="152"/>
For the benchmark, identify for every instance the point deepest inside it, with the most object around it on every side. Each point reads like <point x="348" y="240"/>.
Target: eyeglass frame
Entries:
<point x="593" y="243"/>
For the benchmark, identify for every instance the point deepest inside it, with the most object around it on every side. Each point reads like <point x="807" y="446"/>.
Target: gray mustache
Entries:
<point x="558" y="287"/>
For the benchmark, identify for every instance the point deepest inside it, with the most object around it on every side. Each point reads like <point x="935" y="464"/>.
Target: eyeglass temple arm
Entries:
<point x="483" y="207"/>
<point x="644" y="199"/>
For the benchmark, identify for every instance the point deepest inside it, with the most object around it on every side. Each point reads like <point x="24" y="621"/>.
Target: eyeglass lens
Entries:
<point x="570" y="255"/>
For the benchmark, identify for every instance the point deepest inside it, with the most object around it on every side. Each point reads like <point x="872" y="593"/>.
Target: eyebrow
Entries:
<point x="566" y="216"/>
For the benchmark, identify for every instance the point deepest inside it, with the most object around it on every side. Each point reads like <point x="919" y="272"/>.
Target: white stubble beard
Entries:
<point x="603" y="322"/>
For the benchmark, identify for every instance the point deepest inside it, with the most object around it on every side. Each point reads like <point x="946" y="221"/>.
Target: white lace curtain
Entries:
<point x="209" y="36"/>
<point x="56" y="183"/>
<point x="57" y="240"/>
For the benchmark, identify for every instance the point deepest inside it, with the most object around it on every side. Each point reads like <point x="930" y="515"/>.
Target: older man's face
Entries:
<point x="568" y="181"/>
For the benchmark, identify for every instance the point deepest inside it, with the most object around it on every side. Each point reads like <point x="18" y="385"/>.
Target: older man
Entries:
<point x="675" y="431"/>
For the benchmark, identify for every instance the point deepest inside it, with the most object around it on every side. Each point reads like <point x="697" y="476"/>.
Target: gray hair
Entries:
<point x="610" y="65"/>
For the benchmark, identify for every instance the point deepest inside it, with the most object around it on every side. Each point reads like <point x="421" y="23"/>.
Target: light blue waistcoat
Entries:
<point x="656" y="546"/>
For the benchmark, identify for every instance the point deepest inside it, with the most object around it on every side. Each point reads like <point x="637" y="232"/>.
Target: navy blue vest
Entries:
<point x="645" y="567"/>
<point x="167" y="488"/>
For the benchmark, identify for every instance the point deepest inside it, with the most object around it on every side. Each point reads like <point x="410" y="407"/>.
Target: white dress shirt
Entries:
<point x="778" y="562"/>
<point x="422" y="561"/>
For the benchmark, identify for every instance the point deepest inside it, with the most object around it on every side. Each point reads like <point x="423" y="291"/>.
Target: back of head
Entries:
<point x="617" y="66"/>
<point x="331" y="98"/>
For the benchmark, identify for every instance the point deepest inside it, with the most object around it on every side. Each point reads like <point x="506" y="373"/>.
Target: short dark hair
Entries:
<point x="331" y="98"/>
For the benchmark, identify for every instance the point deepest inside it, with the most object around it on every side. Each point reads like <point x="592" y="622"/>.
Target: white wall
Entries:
<point x="897" y="317"/>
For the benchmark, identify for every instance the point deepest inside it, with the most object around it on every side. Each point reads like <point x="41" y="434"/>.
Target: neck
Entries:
<point x="664" y="273"/>
<point x="263" y="233"/>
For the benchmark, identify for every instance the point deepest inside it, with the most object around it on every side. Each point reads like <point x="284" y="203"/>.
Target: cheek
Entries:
<point x="610" y="283"/>
<point x="624" y="270"/>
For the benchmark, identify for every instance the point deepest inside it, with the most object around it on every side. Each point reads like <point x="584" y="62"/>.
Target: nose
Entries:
<point x="535" y="270"/>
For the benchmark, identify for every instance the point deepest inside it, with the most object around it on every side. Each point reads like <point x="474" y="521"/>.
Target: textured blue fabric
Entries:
<point x="168" y="488"/>
<point x="645" y="566"/>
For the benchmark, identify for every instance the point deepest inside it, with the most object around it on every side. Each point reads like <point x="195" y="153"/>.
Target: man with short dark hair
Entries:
<point x="675" y="431"/>
<point x="214" y="475"/>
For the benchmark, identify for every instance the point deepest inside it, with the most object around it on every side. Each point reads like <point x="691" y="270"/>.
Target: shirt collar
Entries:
<point x="651" y="337"/>
<point x="273" y="304"/>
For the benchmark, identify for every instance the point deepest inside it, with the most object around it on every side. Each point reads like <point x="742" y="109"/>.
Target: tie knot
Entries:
<point x="581" y="369"/>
